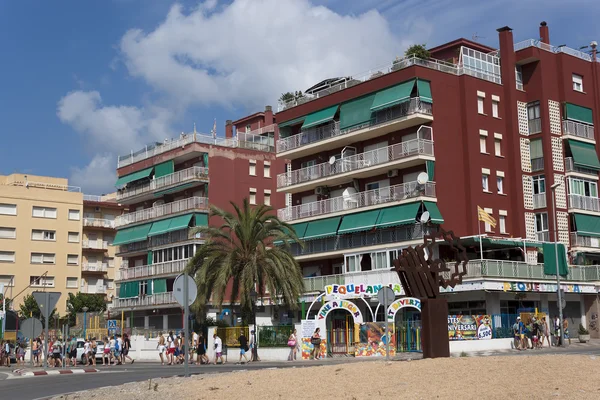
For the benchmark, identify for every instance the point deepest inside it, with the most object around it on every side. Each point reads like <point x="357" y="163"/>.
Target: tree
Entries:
<point x="289" y="96"/>
<point x="418" y="50"/>
<point x="76" y="302"/>
<point x="8" y="302"/>
<point x="29" y="308"/>
<point x="241" y="252"/>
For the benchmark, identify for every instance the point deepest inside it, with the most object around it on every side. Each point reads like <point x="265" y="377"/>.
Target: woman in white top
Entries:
<point x="293" y="345"/>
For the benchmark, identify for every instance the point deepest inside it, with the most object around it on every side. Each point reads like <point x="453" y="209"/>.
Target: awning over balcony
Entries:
<point x="549" y="250"/>
<point x="356" y="112"/>
<point x="162" y="169"/>
<point x="424" y="89"/>
<point x="174" y="189"/>
<point x="201" y="219"/>
<point x="322" y="228"/>
<point x="434" y="212"/>
<point x="320" y="117"/>
<point x="584" y="154"/>
<point x="159" y="285"/>
<point x="358" y="222"/>
<point x="392" y="96"/>
<point x="299" y="229"/>
<point x="131" y="235"/>
<point x="578" y="113"/>
<point x="587" y="225"/>
<point x="398" y="215"/>
<point x="291" y="122"/>
<point x="144" y="173"/>
<point x="170" y="225"/>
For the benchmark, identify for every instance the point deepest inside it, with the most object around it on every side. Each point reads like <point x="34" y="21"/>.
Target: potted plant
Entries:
<point x="584" y="334"/>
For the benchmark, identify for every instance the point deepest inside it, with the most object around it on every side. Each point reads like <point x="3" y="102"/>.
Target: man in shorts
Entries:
<point x="73" y="351"/>
<point x="201" y="357"/>
<point x="517" y="336"/>
<point x="243" y="341"/>
<point x="218" y="349"/>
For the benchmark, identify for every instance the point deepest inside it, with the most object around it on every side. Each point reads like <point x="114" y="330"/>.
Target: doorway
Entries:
<point x="407" y="327"/>
<point x="340" y="332"/>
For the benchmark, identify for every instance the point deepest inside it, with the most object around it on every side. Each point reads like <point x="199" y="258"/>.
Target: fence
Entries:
<point x="274" y="336"/>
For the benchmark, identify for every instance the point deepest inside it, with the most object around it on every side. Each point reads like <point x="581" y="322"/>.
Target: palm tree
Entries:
<point x="241" y="251"/>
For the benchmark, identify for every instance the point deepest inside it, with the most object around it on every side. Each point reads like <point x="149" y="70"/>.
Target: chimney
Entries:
<point x="228" y="129"/>
<point x="594" y="46"/>
<point x="544" y="33"/>
<point x="268" y="115"/>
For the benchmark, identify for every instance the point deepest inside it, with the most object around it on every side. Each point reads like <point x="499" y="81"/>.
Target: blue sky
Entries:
<point x="83" y="81"/>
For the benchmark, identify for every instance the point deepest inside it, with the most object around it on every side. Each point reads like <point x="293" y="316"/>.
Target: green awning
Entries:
<point x="492" y="242"/>
<point x="356" y="112"/>
<point x="358" y="222"/>
<point x="578" y="113"/>
<point x="587" y="225"/>
<point x="174" y="189"/>
<point x="162" y="169"/>
<point x="201" y="219"/>
<point x="424" y="89"/>
<point x="144" y="173"/>
<point x="291" y="122"/>
<point x="159" y="285"/>
<point x="159" y="227"/>
<point x="170" y="224"/>
<point x="549" y="250"/>
<point x="322" y="228"/>
<point x="131" y="235"/>
<point x="149" y="287"/>
<point x="584" y="154"/>
<point x="300" y="229"/>
<point x="393" y="96"/>
<point x="320" y="117"/>
<point x="434" y="212"/>
<point x="430" y="165"/>
<point x="398" y="215"/>
<point x="149" y="258"/>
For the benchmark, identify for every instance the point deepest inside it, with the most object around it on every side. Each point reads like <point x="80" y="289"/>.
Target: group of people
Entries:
<point x="536" y="332"/>
<point x="9" y="351"/>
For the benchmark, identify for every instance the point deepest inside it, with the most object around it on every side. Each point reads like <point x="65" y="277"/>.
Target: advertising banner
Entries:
<point x="469" y="327"/>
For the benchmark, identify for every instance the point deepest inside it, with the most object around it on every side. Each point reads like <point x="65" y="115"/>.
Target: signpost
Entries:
<point x="386" y="297"/>
<point x="185" y="292"/>
<point x="46" y="301"/>
<point x="111" y="325"/>
<point x="31" y="328"/>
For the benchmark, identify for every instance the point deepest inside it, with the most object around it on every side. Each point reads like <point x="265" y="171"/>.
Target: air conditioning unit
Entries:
<point x="321" y="190"/>
<point x="392" y="173"/>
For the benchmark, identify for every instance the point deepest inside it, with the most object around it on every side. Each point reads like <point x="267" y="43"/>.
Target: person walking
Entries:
<point x="201" y="351"/>
<point x="218" y="349"/>
<point x="94" y="348"/>
<point x="193" y="346"/>
<point x="253" y="347"/>
<point x="243" y="341"/>
<point x="6" y="353"/>
<point x="566" y="329"/>
<point x="545" y="332"/>
<point x="557" y="339"/>
<point x="35" y="351"/>
<point x="171" y="348"/>
<point x="516" y="335"/>
<point x="73" y="351"/>
<point x="293" y="345"/>
<point x="161" y="348"/>
<point x="126" y="348"/>
<point x="315" y="339"/>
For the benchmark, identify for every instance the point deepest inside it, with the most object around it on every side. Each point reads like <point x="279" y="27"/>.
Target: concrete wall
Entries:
<point x="457" y="347"/>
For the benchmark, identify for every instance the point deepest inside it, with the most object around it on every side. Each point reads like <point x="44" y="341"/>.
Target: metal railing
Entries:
<point x="552" y="49"/>
<point x="95" y="244"/>
<point x="174" y="237"/>
<point x="356" y="162"/>
<point x="571" y="167"/>
<point x="164" y="182"/>
<point x="145" y="301"/>
<point x="586" y="203"/>
<point x="93" y="289"/>
<point x="373" y="277"/>
<point x="584" y="241"/>
<point x="367" y="198"/>
<point x="542" y="236"/>
<point x="229" y="335"/>
<point x="274" y="336"/>
<point x="191" y="203"/>
<point x="578" y="129"/>
<point x="134" y="247"/>
<point x="99" y="223"/>
<point x="535" y="125"/>
<point x="332" y="129"/>
<point x="100" y="199"/>
<point x="94" y="267"/>
<point x="537" y="164"/>
<point x="539" y="201"/>
<point x="164" y="268"/>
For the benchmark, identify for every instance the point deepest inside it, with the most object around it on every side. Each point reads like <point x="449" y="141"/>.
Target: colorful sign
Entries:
<point x="355" y="289"/>
<point x="538" y="287"/>
<point x="307" y="327"/>
<point x="402" y="303"/>
<point x="340" y="304"/>
<point x="308" y="347"/>
<point x="373" y="340"/>
<point x="469" y="327"/>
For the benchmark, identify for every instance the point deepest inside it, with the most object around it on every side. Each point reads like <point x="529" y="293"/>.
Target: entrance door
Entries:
<point x="408" y="331"/>
<point x="341" y="334"/>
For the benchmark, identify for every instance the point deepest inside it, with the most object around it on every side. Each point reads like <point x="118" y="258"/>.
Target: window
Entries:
<point x="252" y="196"/>
<point x="487" y="226"/>
<point x="583" y="187"/>
<point x="43" y="258"/>
<point x="485" y="179"/>
<point x="44" y="212"/>
<point x="8" y="209"/>
<point x="480" y="105"/>
<point x="539" y="184"/>
<point x="7" y="256"/>
<point x="502" y="223"/>
<point x="8" y="233"/>
<point x="267" y="195"/>
<point x="578" y="83"/>
<point x="498" y="147"/>
<point x="267" y="169"/>
<point x="74" y="215"/>
<point x="72" y="283"/>
<point x="366" y="261"/>
<point x="7" y="280"/>
<point x="541" y="222"/>
<point x="41" y="281"/>
<point x="73" y="237"/>
<point x="248" y="128"/>
<point x="536" y="153"/>
<point x="500" y="184"/>
<point x="43" y="235"/>
<point x="495" y="104"/>
<point x="72" y="259"/>
<point x="482" y="141"/>
<point x="533" y="116"/>
<point x="252" y="170"/>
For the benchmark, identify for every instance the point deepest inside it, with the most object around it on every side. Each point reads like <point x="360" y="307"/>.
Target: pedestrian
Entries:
<point x="193" y="346"/>
<point x="6" y="353"/>
<point x="73" y="351"/>
<point x="111" y="345"/>
<point x="56" y="350"/>
<point x="171" y="348"/>
<point x="557" y="340"/>
<point x="253" y="347"/>
<point x="118" y="349"/>
<point x="545" y="332"/>
<point x="106" y="352"/>
<point x="94" y="348"/>
<point x="535" y="333"/>
<point x="566" y="329"/>
<point x="293" y="345"/>
<point x="126" y="348"/>
<point x="161" y="348"/>
<point x="315" y="340"/>
<point x="35" y="351"/>
<point x="516" y="335"/>
<point x="218" y="349"/>
<point x="20" y="354"/>
<point x="201" y="351"/>
<point x="243" y="341"/>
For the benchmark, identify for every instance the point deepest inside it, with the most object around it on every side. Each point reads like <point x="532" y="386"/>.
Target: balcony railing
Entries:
<point x="374" y="277"/>
<point x="571" y="167"/>
<point x="585" y="203"/>
<point x="356" y="162"/>
<point x="192" y="203"/>
<point x="542" y="236"/>
<point x="95" y="244"/>
<point x="367" y="198"/>
<point x="174" y="237"/>
<point x="535" y="126"/>
<point x="539" y="201"/>
<point x="94" y="267"/>
<point x="164" y="182"/>
<point x="145" y="301"/>
<point x="552" y="49"/>
<point x="165" y="268"/>
<point x="314" y="135"/>
<point x="99" y="223"/>
<point x="578" y="240"/>
<point x="93" y="289"/>
<point x="578" y="129"/>
<point x="537" y="164"/>
<point x="133" y="247"/>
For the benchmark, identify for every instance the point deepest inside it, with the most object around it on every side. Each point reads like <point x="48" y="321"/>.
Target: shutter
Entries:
<point x="163" y="169"/>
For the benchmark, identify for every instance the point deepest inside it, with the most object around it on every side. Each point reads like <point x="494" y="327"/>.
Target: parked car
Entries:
<point x="99" y="350"/>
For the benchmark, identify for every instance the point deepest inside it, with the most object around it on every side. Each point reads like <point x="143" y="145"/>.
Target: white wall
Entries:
<point x="458" y="346"/>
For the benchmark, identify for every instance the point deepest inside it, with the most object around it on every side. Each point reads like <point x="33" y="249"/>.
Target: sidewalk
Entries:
<point x="52" y="371"/>
<point x="575" y="346"/>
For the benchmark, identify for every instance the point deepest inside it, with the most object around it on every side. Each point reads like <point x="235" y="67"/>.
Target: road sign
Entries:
<point x="41" y="298"/>
<point x="563" y="303"/>
<point x="178" y="287"/>
<point x="31" y="328"/>
<point x="112" y="324"/>
<point x="386" y="296"/>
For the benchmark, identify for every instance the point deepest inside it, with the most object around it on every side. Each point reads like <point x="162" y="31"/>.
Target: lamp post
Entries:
<point x="559" y="294"/>
<point x="254" y="298"/>
<point x="85" y="310"/>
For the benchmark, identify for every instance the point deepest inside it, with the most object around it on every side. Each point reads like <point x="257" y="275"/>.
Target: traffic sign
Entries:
<point x="112" y="324"/>
<point x="41" y="298"/>
<point x="386" y="296"/>
<point x="178" y="287"/>
<point x="31" y="328"/>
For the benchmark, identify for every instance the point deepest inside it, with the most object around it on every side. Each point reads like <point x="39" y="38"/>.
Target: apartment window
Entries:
<point x="267" y="200"/>
<point x="480" y="105"/>
<point x="482" y="141"/>
<point x="43" y="258"/>
<point x="43" y="235"/>
<point x="7" y="280"/>
<point x="73" y="237"/>
<point x="72" y="259"/>
<point x="8" y="209"/>
<point x="541" y="222"/>
<point x="72" y="283"/>
<point x="487" y="226"/>
<point x="485" y="183"/>
<point x="502" y="223"/>
<point x="533" y="116"/>
<point x="539" y="184"/>
<point x="267" y="169"/>
<point x="500" y="184"/>
<point x="583" y="187"/>
<point x="44" y="212"/>
<point x="578" y="83"/>
<point x="495" y="105"/>
<point x="74" y="215"/>
<point x="252" y="170"/>
<point x="498" y="147"/>
<point x="7" y="256"/>
<point x="8" y="233"/>
<point x="41" y="281"/>
<point x="252" y="196"/>
<point x="536" y="153"/>
<point x="248" y="128"/>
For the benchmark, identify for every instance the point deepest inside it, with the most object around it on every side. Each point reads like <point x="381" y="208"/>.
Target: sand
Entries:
<point x="520" y="377"/>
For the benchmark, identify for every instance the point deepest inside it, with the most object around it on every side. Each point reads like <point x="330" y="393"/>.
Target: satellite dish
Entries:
<point x="423" y="178"/>
<point x="425" y="217"/>
<point x="332" y="160"/>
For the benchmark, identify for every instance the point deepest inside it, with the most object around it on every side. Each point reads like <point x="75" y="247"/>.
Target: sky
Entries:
<point x="82" y="82"/>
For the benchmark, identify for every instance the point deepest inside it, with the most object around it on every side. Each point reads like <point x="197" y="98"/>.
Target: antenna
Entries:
<point x="476" y="37"/>
<point x="425" y="217"/>
<point x="422" y="178"/>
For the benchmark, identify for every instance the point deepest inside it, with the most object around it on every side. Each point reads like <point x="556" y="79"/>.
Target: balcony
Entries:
<point x="552" y="49"/>
<point x="193" y="174"/>
<point x="535" y="126"/>
<point x="182" y="235"/>
<point x="374" y="277"/>
<point x="578" y="130"/>
<point x="543" y="236"/>
<point x="99" y="223"/>
<point x="136" y="247"/>
<point x="584" y="241"/>
<point x="94" y="267"/>
<point x="328" y="137"/>
<point x="585" y="203"/>
<point x="359" y="200"/>
<point x="370" y="163"/>
<point x="157" y="299"/>
<point x="539" y="201"/>
<point x="165" y="268"/>
<point x="537" y="164"/>
<point x="93" y="289"/>
<point x="571" y="167"/>
<point x="163" y="210"/>
<point x="94" y="244"/>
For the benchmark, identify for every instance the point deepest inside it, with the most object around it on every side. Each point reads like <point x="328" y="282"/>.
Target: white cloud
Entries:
<point x="252" y="50"/>
<point x="98" y="177"/>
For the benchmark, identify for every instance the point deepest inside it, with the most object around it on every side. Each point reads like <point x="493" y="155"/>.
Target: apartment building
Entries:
<point x="168" y="188"/>
<point x="40" y="236"/>
<point x="378" y="160"/>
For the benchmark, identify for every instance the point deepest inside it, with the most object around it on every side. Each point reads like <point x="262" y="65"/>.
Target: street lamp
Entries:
<point x="85" y="310"/>
<point x="560" y="313"/>
<point x="254" y="298"/>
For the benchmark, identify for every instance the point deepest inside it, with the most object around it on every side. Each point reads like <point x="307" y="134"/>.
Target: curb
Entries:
<point x="55" y="372"/>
